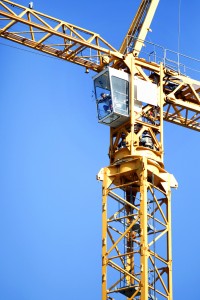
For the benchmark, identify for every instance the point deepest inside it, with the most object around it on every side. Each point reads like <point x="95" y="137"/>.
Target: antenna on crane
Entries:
<point x="30" y="5"/>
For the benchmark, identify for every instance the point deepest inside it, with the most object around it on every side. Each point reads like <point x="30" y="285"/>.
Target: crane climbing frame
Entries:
<point x="136" y="188"/>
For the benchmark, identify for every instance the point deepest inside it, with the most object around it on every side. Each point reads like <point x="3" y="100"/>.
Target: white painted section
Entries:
<point x="146" y="91"/>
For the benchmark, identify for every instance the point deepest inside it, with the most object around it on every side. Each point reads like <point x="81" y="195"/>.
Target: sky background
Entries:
<point x="52" y="147"/>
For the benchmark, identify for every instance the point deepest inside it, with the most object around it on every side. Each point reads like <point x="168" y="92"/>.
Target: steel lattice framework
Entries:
<point x="88" y="49"/>
<point x="136" y="204"/>
<point x="136" y="214"/>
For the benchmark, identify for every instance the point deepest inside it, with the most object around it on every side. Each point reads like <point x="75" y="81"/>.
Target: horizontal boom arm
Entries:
<point x="52" y="36"/>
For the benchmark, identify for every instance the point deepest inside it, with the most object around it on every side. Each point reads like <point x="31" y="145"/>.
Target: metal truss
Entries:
<point x="52" y="36"/>
<point x="139" y="28"/>
<point x="183" y="116"/>
<point x="136" y="209"/>
<point x="71" y="43"/>
<point x="182" y="101"/>
<point x="181" y="94"/>
<point x="136" y="235"/>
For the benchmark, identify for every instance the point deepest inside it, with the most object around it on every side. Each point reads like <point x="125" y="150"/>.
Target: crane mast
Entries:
<point x="136" y="208"/>
<point x="136" y="188"/>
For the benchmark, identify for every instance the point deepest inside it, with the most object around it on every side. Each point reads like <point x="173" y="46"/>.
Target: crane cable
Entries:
<point x="179" y="32"/>
<point x="26" y="50"/>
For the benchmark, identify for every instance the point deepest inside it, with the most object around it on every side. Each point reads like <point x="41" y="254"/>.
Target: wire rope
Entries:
<point x="179" y="32"/>
<point x="32" y="52"/>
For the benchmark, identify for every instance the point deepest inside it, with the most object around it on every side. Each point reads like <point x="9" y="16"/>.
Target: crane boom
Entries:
<point x="136" y="193"/>
<point x="139" y="27"/>
<point x="52" y="36"/>
<point x="88" y="49"/>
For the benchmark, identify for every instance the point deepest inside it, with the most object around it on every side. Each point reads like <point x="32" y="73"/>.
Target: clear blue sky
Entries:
<point x="51" y="148"/>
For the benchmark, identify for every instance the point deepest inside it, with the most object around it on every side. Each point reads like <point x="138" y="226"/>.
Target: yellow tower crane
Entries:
<point x="133" y="97"/>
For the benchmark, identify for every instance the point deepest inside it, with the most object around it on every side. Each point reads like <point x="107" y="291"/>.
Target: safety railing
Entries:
<point x="181" y="63"/>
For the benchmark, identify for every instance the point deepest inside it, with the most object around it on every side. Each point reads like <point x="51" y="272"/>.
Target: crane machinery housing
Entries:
<point x="134" y="96"/>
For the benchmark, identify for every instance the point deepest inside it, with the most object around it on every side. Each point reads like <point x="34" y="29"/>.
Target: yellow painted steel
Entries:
<point x="104" y="237"/>
<point x="69" y="42"/>
<point x="143" y="232"/>
<point x="136" y="189"/>
<point x="134" y="259"/>
<point x="139" y="27"/>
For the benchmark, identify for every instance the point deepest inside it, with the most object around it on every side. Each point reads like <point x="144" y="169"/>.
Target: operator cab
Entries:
<point x="112" y="96"/>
